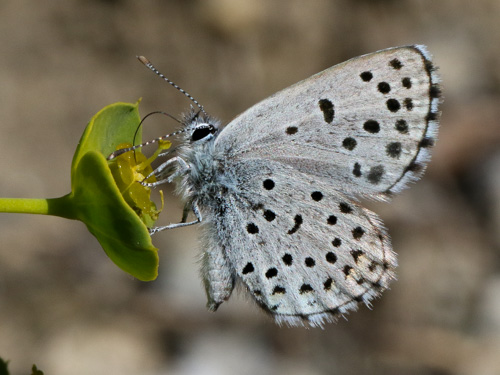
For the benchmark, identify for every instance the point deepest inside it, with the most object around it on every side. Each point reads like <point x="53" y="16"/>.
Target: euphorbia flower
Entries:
<point x="108" y="197"/>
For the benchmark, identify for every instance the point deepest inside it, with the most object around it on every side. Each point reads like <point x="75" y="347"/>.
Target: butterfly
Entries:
<point x="277" y="190"/>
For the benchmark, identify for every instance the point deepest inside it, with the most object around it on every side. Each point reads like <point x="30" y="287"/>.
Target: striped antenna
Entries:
<point x="123" y="150"/>
<point x="148" y="64"/>
<point x="150" y="114"/>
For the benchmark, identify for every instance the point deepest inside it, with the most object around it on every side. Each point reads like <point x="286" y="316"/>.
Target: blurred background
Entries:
<point x="66" y="307"/>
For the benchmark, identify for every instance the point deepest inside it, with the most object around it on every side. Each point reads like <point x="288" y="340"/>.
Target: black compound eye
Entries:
<point x="202" y="132"/>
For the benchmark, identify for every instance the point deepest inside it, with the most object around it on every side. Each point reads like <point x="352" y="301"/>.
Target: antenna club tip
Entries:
<point x="143" y="60"/>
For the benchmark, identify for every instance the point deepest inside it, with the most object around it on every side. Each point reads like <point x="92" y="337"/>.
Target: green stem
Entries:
<point x="62" y="206"/>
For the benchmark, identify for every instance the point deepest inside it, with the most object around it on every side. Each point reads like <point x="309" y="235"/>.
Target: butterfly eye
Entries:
<point x="202" y="132"/>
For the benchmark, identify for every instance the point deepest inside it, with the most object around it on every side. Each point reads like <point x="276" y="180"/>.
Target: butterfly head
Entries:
<point x="200" y="128"/>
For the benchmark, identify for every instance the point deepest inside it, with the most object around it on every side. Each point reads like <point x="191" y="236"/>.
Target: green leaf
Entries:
<point x="3" y="367"/>
<point x="116" y="208"/>
<point x="110" y="127"/>
<point x="97" y="201"/>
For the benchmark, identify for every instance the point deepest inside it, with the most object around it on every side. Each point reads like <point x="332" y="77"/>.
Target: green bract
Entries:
<point x="117" y="212"/>
<point x="100" y="205"/>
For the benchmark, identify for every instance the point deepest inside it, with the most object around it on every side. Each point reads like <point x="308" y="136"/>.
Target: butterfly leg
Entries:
<point x="169" y="176"/>
<point x="185" y="213"/>
<point x="196" y="212"/>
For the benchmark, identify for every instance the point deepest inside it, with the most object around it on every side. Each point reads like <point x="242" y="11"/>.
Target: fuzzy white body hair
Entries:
<point x="204" y="184"/>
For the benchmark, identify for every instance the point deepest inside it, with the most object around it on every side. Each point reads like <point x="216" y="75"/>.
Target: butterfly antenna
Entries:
<point x="124" y="150"/>
<point x="154" y="113"/>
<point x="148" y="64"/>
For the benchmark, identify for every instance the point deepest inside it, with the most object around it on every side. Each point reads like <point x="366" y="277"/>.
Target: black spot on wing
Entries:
<point x="357" y="233"/>
<point x="345" y="208"/>
<point x="248" y="268"/>
<point x="271" y="272"/>
<point x="349" y="143"/>
<point x="328" y="110"/>
<point x="394" y="149"/>
<point x="305" y="288"/>
<point x="252" y="228"/>
<point x="366" y="76"/>
<point x="375" y="174"/>
<point x="310" y="262"/>
<point x="393" y="105"/>
<point x="401" y="126"/>
<point x="356" y="170"/>
<point x="317" y="196"/>
<point x="331" y="257"/>
<point x="396" y="64"/>
<point x="384" y="87"/>
<point x="269" y="215"/>
<point x="298" y="223"/>
<point x="287" y="259"/>
<point x="268" y="184"/>
<point x="371" y="126"/>
<point x="408" y="103"/>
<point x="331" y="220"/>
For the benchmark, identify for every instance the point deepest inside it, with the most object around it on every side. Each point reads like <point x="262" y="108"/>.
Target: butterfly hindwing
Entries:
<point x="305" y="251"/>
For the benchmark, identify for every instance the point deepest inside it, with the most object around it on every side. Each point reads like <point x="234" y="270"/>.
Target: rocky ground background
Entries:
<point x="67" y="308"/>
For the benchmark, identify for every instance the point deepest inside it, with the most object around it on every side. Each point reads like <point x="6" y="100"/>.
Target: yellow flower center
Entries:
<point x="130" y="170"/>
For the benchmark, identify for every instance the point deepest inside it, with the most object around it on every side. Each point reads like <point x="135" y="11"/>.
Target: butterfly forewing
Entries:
<point x="363" y="125"/>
